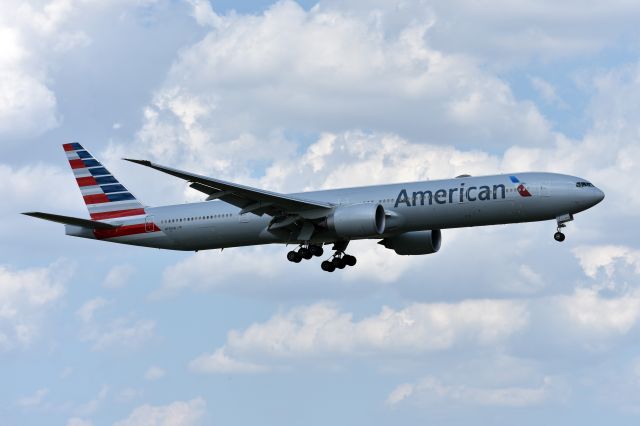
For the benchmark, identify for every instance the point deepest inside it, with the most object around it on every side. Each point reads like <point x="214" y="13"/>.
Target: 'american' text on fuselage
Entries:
<point x="443" y="196"/>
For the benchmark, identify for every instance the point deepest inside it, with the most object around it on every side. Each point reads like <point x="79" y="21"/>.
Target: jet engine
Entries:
<point x="357" y="220"/>
<point x="414" y="242"/>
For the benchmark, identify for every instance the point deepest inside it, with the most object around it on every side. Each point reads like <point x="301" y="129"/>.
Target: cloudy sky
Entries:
<point x="503" y="324"/>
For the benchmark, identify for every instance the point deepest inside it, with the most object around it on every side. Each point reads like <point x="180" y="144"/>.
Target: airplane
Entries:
<point x="405" y="217"/>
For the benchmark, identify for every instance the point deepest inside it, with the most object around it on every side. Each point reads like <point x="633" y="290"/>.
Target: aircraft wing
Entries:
<point x="250" y="200"/>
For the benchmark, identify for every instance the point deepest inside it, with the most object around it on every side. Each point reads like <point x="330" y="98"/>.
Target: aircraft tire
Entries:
<point x="305" y="253"/>
<point x="327" y="266"/>
<point x="350" y="260"/>
<point x="316" y="250"/>
<point x="294" y="257"/>
<point x="559" y="236"/>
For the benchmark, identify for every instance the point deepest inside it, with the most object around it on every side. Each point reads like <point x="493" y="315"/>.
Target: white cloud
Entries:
<point x="121" y="332"/>
<point x="178" y="413"/>
<point x="30" y="37"/>
<point x="87" y="310"/>
<point x="609" y="304"/>
<point x="594" y="314"/>
<point x="30" y="184"/>
<point x="594" y="258"/>
<point x="33" y="400"/>
<point x="27" y="105"/>
<point x="36" y="38"/>
<point x="547" y="91"/>
<point x="154" y="373"/>
<point x="124" y="331"/>
<point x="118" y="276"/>
<point x="90" y="407"/>
<point x="195" y="271"/>
<point x="356" y="158"/>
<point x="221" y="363"/>
<point x="25" y="297"/>
<point x="401" y="392"/>
<point x="321" y="330"/>
<point x="523" y="32"/>
<point x="431" y="390"/>
<point x="203" y="13"/>
<point x="325" y="79"/>
<point x="226" y="272"/>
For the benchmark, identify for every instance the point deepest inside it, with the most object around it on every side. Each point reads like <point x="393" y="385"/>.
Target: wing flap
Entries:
<point x="68" y="220"/>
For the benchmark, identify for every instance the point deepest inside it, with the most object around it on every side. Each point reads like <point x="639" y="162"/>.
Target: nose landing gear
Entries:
<point x="559" y="236"/>
<point x="561" y="220"/>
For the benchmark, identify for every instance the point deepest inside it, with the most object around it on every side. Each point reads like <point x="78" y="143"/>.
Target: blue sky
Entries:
<point x="503" y="324"/>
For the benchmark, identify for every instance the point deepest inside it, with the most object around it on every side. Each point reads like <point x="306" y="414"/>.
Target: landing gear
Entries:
<point x="316" y="250"/>
<point x="294" y="256"/>
<point x="339" y="262"/>
<point x="349" y="260"/>
<point x="561" y="220"/>
<point x="327" y="266"/>
<point x="306" y="251"/>
<point x="340" y="259"/>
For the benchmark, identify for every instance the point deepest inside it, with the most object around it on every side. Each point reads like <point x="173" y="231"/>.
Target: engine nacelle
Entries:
<point x="414" y="242"/>
<point x="357" y="220"/>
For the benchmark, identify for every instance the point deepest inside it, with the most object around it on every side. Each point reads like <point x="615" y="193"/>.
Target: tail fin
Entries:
<point x="104" y="196"/>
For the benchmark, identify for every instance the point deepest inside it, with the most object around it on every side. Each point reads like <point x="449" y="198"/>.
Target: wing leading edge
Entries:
<point x="250" y="200"/>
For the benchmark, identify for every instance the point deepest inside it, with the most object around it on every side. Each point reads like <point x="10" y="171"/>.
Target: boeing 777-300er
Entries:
<point x="404" y="217"/>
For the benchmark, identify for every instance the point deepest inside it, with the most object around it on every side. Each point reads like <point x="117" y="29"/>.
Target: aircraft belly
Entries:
<point x="224" y="234"/>
<point x="156" y="239"/>
<point x="467" y="214"/>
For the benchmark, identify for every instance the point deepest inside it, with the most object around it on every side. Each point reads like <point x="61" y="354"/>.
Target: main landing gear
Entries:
<point x="306" y="251"/>
<point x="339" y="260"/>
<point x="561" y="220"/>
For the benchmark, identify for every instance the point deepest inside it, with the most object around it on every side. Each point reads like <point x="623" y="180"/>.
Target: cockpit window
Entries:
<point x="583" y="184"/>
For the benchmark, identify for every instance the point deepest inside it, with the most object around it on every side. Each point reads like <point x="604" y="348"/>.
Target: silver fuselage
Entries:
<point x="414" y="206"/>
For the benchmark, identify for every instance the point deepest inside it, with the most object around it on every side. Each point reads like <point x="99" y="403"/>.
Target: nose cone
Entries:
<point x="594" y="197"/>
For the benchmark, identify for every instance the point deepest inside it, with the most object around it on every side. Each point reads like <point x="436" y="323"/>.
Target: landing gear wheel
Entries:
<point x="559" y="236"/>
<point x="339" y="262"/>
<point x="294" y="256"/>
<point x="305" y="253"/>
<point x="316" y="250"/>
<point x="349" y="260"/>
<point x="327" y="266"/>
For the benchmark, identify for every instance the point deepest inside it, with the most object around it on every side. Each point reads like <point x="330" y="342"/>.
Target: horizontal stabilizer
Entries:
<point x="68" y="220"/>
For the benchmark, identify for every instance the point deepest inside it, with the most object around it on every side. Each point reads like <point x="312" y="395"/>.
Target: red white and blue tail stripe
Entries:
<point x="105" y="197"/>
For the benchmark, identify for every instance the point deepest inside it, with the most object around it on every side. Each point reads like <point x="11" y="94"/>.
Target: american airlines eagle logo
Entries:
<point x="521" y="188"/>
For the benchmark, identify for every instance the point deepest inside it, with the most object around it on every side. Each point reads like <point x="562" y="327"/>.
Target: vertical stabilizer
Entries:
<point x="105" y="197"/>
